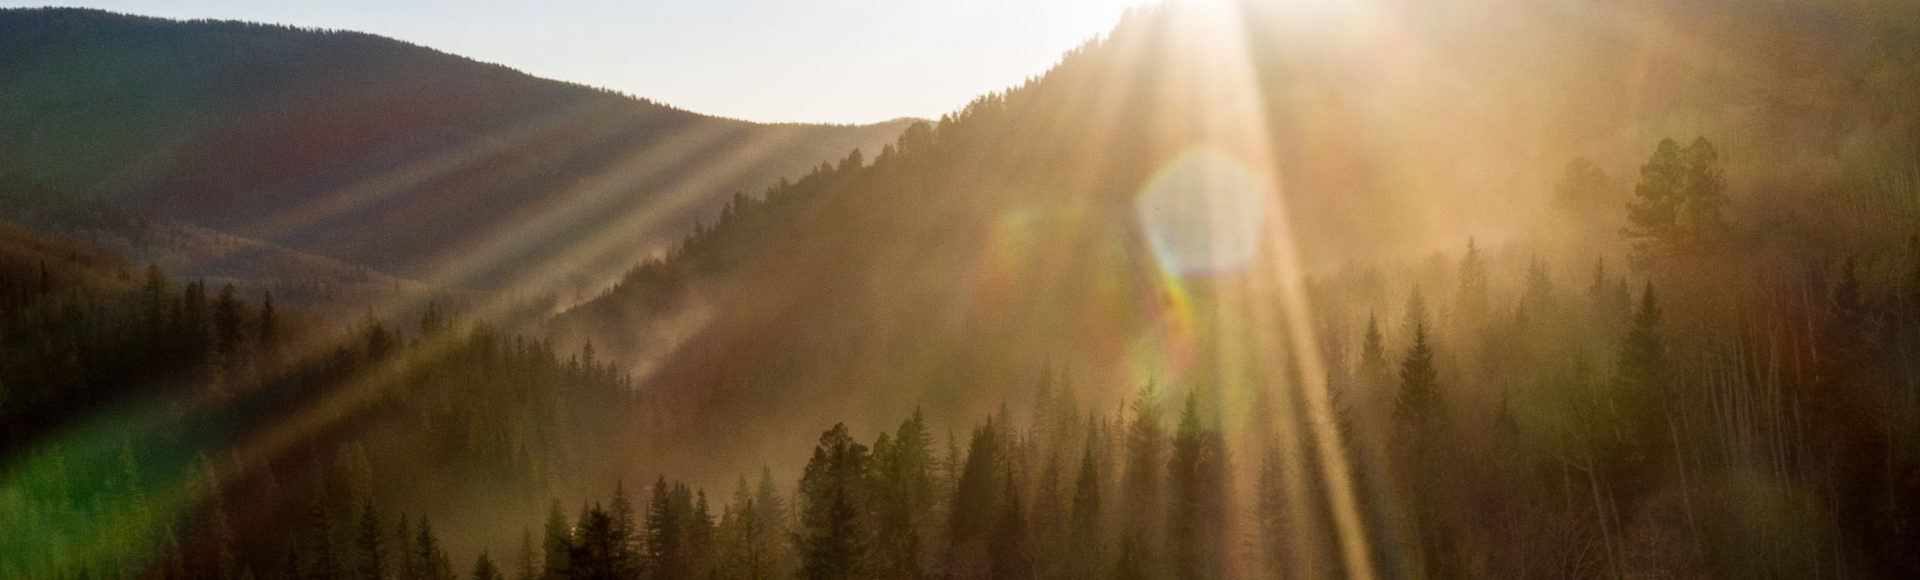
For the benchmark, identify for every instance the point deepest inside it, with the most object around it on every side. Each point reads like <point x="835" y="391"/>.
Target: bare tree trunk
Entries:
<point x="1600" y="512"/>
<point x="1686" y="494"/>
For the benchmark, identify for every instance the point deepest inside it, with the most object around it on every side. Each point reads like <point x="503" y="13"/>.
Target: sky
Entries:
<point x="838" y="61"/>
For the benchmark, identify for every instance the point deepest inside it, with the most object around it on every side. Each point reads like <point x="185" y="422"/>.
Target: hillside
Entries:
<point x="1400" y="288"/>
<point x="1219" y="206"/>
<point x="948" y="270"/>
<point x="373" y="151"/>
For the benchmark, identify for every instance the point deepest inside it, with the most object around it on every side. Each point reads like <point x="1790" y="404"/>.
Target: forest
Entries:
<point x="1335" y="311"/>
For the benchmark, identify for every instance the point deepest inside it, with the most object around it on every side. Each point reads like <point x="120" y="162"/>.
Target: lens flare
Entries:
<point x="1203" y="213"/>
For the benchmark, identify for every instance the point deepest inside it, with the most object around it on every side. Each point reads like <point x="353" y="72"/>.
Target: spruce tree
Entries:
<point x="558" y="543"/>
<point x="429" y="556"/>
<point x="1641" y="377"/>
<point x="833" y="534"/>
<point x="1418" y="404"/>
<point x="406" y="567"/>
<point x="529" y="559"/>
<point x="621" y="509"/>
<point x="1472" y="297"/>
<point x="483" y="568"/>
<point x="370" y="545"/>
<point x="325" y="560"/>
<point x="1084" y="537"/>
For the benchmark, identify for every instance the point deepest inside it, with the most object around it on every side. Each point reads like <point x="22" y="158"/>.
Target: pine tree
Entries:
<point x="530" y="567"/>
<point x="269" y="327"/>
<point x="666" y="533"/>
<point x="1084" y="538"/>
<point x="1473" y="284"/>
<point x="1418" y="404"/>
<point x="194" y="320"/>
<point x="770" y="511"/>
<point x="1049" y="517"/>
<point x="1582" y="189"/>
<point x="226" y="321"/>
<point x="599" y="550"/>
<point x="1196" y="481"/>
<point x="483" y="568"/>
<point x="370" y="545"/>
<point x="1373" y="352"/>
<point x="427" y="554"/>
<point x="1678" y="201"/>
<point x="558" y="543"/>
<point x="325" y="563"/>
<point x="1142" y="482"/>
<point x="407" y="566"/>
<point x="700" y="536"/>
<point x="621" y="509"/>
<point x="1008" y="550"/>
<point x="975" y="497"/>
<point x="833" y="532"/>
<point x="1537" y="300"/>
<point x="153" y="302"/>
<point x="745" y="536"/>
<point x="432" y="321"/>
<point x="1641" y="377"/>
<point x="1703" y="190"/>
<point x="903" y="467"/>
<point x="1597" y="291"/>
<point x="1653" y="217"/>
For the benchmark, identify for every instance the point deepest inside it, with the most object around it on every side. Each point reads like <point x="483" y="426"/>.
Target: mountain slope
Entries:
<point x="374" y="151"/>
<point x="1070" y="222"/>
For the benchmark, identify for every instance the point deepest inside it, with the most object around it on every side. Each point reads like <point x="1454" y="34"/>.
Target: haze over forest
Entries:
<point x="1238" y="289"/>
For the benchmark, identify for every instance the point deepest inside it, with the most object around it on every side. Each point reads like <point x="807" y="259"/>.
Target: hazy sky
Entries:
<point x="763" y="60"/>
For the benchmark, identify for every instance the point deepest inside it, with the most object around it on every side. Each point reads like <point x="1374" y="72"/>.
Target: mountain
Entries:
<point x="1107" y="217"/>
<point x="324" y="286"/>
<point x="373" y="151"/>
<point x="1444" y="288"/>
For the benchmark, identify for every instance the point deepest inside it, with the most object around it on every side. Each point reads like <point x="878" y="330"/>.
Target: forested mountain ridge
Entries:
<point x="1024" y="216"/>
<point x="1454" y="289"/>
<point x="1033" y="229"/>
<point x="146" y="423"/>
<point x="373" y="151"/>
<point x="316" y="284"/>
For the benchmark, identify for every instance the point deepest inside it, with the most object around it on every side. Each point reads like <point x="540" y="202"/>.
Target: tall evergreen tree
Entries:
<point x="1197" y="516"/>
<point x="1146" y="444"/>
<point x="599" y="551"/>
<point x="668" y="520"/>
<point x="1472" y="298"/>
<point x="406" y="566"/>
<point x="269" y="325"/>
<point x="770" y="510"/>
<point x="1373" y="354"/>
<point x="1418" y="403"/>
<point x="621" y="509"/>
<point x="226" y="321"/>
<point x="325" y="560"/>
<point x="975" y="497"/>
<point x="429" y="556"/>
<point x="530" y="567"/>
<point x="833" y="537"/>
<point x="1008" y="549"/>
<point x="370" y="545"/>
<point x="700" y="536"/>
<point x="484" y="569"/>
<point x="1084" y="538"/>
<point x="1641" y="377"/>
<point x="558" y="543"/>
<point x="1537" y="300"/>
